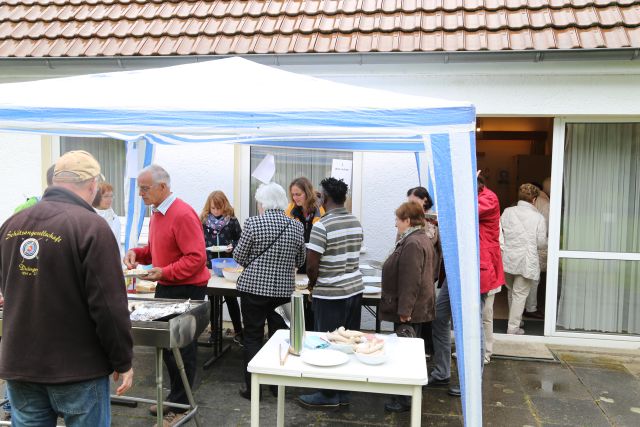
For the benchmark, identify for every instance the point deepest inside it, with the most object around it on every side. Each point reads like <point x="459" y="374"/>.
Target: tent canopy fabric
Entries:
<point x="237" y="101"/>
<point x="228" y="100"/>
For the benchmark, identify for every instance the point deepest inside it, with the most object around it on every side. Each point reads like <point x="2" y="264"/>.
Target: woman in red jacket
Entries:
<point x="491" y="270"/>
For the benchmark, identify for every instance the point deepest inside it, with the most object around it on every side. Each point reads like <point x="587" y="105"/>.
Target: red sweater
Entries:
<point x="176" y="243"/>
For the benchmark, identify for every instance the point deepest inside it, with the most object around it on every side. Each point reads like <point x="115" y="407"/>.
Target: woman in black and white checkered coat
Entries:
<point x="271" y="247"/>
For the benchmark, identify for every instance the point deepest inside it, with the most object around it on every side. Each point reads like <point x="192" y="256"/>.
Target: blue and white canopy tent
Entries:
<point x="237" y="101"/>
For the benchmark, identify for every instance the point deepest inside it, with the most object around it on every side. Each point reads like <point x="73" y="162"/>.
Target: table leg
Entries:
<point x="280" y="413"/>
<point x="378" y="319"/>
<point x="185" y="382"/>
<point x="216" y="324"/>
<point x="255" y="401"/>
<point x="416" y="406"/>
<point x="159" y="393"/>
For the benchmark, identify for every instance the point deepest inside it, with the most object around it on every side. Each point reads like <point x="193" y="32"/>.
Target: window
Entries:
<point x="599" y="268"/>
<point x="293" y="163"/>
<point x="111" y="153"/>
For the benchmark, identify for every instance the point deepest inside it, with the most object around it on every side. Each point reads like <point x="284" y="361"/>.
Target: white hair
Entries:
<point x="158" y="174"/>
<point x="271" y="196"/>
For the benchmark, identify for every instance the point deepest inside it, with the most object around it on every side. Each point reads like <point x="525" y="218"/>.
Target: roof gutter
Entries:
<point x="453" y="57"/>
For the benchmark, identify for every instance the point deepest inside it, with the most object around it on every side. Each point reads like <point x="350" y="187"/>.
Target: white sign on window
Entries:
<point x="266" y="169"/>
<point x="341" y="169"/>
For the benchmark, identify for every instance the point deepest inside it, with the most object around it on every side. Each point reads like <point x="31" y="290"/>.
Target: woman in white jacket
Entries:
<point x="522" y="233"/>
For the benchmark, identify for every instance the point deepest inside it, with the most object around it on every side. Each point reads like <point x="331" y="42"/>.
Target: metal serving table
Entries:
<point x="174" y="332"/>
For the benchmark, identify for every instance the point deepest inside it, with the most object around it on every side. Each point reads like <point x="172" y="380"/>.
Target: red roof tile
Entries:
<point x="41" y="28"/>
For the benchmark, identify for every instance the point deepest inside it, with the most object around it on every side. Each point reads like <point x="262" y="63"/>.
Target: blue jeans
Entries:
<point x="85" y="403"/>
<point x="6" y="406"/>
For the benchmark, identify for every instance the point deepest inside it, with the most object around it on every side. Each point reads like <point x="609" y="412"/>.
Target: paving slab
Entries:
<point x="585" y="389"/>
<point x="565" y="411"/>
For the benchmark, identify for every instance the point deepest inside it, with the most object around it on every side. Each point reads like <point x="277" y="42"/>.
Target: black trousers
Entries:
<point x="330" y="314"/>
<point x="256" y="309"/>
<point x="189" y="352"/>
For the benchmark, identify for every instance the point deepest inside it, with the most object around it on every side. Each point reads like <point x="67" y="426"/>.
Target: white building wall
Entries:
<point x="21" y="171"/>
<point x="197" y="170"/>
<point x="504" y="89"/>
<point x="383" y="190"/>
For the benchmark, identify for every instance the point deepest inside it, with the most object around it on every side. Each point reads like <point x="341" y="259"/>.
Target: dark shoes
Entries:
<point x="434" y="382"/>
<point x="245" y="392"/>
<point x="454" y="391"/>
<point x="534" y="314"/>
<point x="239" y="339"/>
<point x="398" y="404"/>
<point x="320" y="400"/>
<point x="153" y="410"/>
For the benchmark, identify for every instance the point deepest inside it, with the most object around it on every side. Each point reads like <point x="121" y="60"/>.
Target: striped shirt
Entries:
<point x="338" y="238"/>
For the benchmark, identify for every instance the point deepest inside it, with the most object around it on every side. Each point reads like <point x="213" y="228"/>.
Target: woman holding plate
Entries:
<point x="222" y="232"/>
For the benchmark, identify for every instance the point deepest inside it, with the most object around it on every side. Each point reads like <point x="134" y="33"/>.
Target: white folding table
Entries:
<point x="403" y="374"/>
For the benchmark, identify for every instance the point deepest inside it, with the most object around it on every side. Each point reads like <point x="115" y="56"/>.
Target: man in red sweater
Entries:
<point x="177" y="251"/>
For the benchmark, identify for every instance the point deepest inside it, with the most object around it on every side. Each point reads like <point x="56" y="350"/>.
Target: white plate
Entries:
<point x="372" y="289"/>
<point x="371" y="279"/>
<point x="220" y="248"/>
<point x="324" y="357"/>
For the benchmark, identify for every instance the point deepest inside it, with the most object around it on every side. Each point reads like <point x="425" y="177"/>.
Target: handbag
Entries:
<point x="269" y="246"/>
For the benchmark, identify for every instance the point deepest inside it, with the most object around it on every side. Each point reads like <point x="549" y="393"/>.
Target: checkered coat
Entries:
<point x="272" y="274"/>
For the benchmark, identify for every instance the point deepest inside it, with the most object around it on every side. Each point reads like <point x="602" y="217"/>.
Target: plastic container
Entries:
<point x="232" y="273"/>
<point x="217" y="264"/>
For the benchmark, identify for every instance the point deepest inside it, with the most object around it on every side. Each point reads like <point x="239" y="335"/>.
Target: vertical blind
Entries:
<point x="294" y="163"/>
<point x="111" y="153"/>
<point x="600" y="213"/>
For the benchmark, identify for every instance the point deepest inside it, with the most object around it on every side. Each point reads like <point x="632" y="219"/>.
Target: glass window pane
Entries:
<point x="601" y="194"/>
<point x="111" y="153"/>
<point x="293" y="163"/>
<point x="599" y="296"/>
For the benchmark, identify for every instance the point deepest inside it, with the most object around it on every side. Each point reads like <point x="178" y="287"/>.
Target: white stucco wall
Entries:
<point x="21" y="171"/>
<point x="504" y="88"/>
<point x="383" y="190"/>
<point x="197" y="170"/>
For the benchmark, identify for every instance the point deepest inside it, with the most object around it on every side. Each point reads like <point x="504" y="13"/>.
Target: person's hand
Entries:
<point x="405" y="319"/>
<point x="229" y="248"/>
<point x="154" y="275"/>
<point x="130" y="260"/>
<point x="127" y="381"/>
<point x="1" y="300"/>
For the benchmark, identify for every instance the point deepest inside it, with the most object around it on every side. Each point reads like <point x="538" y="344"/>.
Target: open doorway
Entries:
<point x="512" y="151"/>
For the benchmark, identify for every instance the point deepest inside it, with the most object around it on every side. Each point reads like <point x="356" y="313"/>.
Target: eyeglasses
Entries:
<point x="145" y="188"/>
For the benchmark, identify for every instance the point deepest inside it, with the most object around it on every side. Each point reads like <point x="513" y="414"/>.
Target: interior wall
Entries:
<point x="499" y="159"/>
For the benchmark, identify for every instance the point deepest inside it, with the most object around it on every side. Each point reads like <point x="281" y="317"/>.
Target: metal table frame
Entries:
<point x="370" y="303"/>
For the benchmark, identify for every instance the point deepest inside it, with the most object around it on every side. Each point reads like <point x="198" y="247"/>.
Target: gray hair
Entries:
<point x="272" y="196"/>
<point x="158" y="174"/>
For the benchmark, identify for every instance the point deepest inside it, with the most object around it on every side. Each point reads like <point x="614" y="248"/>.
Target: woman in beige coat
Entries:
<point x="522" y="234"/>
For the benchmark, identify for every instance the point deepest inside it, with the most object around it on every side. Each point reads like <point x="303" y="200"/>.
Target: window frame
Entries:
<point x="554" y="251"/>
<point x="244" y="175"/>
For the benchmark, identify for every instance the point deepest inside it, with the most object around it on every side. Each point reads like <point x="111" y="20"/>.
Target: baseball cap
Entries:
<point x="76" y="166"/>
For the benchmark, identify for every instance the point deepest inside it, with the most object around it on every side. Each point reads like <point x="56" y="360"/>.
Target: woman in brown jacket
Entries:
<point x="408" y="294"/>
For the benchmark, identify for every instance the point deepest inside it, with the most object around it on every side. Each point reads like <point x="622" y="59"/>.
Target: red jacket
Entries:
<point x="491" y="271"/>
<point x="176" y="244"/>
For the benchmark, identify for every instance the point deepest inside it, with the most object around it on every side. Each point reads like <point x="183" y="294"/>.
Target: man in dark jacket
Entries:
<point x="66" y="324"/>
